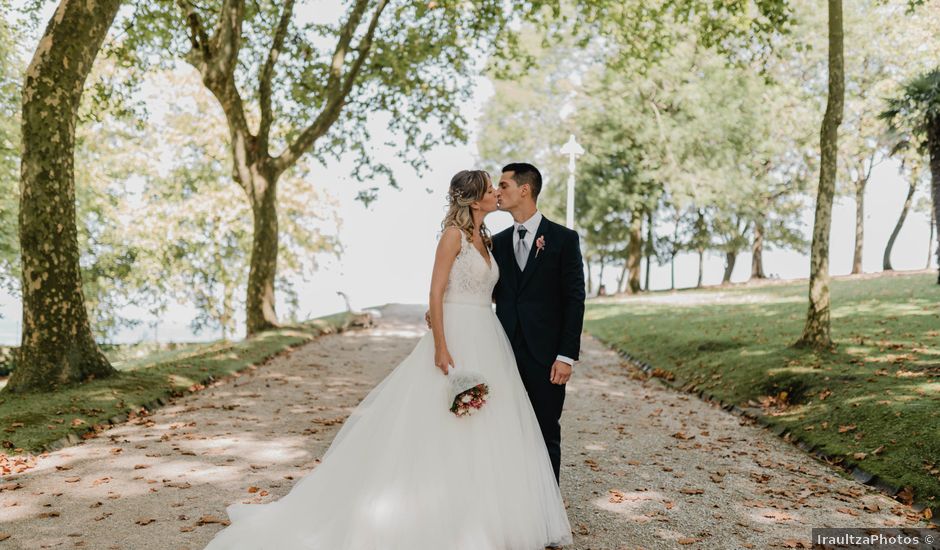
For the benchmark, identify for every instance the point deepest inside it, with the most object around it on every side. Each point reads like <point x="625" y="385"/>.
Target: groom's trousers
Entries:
<point x="547" y="399"/>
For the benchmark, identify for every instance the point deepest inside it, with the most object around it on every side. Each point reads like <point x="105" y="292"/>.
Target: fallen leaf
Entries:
<point x="212" y="519"/>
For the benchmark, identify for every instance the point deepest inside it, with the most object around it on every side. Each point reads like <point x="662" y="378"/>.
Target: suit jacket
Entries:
<point x="547" y="299"/>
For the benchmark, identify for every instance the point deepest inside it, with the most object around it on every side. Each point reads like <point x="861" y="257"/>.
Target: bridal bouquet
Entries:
<point x="468" y="390"/>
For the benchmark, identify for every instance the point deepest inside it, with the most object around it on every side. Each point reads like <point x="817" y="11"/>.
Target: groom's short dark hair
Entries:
<point x="525" y="174"/>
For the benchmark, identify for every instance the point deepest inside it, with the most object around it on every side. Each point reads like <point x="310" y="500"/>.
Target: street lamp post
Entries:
<point x="572" y="149"/>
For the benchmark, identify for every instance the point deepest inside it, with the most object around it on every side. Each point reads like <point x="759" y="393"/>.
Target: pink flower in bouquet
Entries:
<point x="468" y="400"/>
<point x="539" y="245"/>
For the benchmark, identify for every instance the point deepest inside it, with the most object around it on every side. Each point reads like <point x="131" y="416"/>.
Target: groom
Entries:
<point x="539" y="297"/>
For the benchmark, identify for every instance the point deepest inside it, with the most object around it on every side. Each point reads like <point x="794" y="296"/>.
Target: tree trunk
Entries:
<point x="730" y="258"/>
<point x="260" y="311"/>
<point x="623" y="277"/>
<point x="590" y="287"/>
<point x="860" y="186"/>
<point x="757" y="252"/>
<point x="58" y="346"/>
<point x="635" y="250"/>
<point x="649" y="248"/>
<point x="701" y="267"/>
<point x="672" y="272"/>
<point x="816" y="332"/>
<point x="933" y="145"/>
<point x="675" y="252"/>
<point x="255" y="169"/>
<point x="930" y="240"/>
<point x="600" y="276"/>
<point x="886" y="262"/>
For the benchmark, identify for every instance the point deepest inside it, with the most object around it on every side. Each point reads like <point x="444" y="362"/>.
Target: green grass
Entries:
<point x="31" y="421"/>
<point x="735" y="343"/>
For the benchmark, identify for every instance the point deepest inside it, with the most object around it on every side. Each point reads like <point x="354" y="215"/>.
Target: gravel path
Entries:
<point x="643" y="466"/>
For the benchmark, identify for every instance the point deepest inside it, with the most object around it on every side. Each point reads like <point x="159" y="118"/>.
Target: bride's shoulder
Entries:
<point x="452" y="236"/>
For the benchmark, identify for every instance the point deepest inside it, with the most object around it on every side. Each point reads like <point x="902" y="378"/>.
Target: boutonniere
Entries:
<point x="539" y="245"/>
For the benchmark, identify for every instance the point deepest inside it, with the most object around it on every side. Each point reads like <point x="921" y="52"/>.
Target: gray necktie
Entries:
<point x="522" y="249"/>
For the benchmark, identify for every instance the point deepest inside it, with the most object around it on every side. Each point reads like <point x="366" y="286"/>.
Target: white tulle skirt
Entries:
<point x="404" y="473"/>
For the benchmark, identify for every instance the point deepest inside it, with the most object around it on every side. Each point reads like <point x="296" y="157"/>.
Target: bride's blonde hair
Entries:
<point x="467" y="187"/>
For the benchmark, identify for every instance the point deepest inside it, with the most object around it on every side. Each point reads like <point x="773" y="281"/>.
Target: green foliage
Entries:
<point x="415" y="78"/>
<point x="642" y="34"/>
<point x="715" y="145"/>
<point x="916" y="109"/>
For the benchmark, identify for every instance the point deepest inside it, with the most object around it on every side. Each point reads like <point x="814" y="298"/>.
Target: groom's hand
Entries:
<point x="561" y="372"/>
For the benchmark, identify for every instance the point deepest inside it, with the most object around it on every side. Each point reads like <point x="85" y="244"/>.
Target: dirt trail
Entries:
<point x="643" y="466"/>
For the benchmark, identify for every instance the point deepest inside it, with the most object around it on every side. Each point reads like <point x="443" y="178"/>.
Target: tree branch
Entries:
<point x="267" y="74"/>
<point x="216" y="58"/>
<point x="338" y="85"/>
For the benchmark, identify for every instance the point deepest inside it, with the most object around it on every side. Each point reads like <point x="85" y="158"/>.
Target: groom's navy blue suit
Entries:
<point x="542" y="311"/>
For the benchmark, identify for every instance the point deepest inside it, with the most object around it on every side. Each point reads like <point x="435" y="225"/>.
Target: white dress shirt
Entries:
<point x="532" y="225"/>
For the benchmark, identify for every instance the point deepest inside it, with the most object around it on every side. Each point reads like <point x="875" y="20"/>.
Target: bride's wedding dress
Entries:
<point x="404" y="473"/>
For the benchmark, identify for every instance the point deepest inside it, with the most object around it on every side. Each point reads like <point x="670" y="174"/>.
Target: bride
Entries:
<point x="404" y="472"/>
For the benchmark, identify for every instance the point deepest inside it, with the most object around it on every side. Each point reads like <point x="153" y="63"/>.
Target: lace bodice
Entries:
<point x="471" y="280"/>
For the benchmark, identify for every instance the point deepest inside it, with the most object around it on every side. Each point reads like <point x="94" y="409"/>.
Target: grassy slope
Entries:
<point x="884" y="376"/>
<point x="32" y="421"/>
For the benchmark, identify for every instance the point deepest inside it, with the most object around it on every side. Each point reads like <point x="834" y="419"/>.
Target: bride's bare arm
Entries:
<point x="447" y="249"/>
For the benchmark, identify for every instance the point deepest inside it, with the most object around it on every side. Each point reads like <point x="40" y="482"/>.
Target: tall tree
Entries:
<point x="290" y="88"/>
<point x="816" y="332"/>
<point x="883" y="39"/>
<point x="916" y="111"/>
<point x="195" y="244"/>
<point x="57" y="346"/>
<point x="911" y="167"/>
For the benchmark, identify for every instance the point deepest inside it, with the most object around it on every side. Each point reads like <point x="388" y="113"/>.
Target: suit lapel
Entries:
<point x="508" y="267"/>
<point x="534" y="260"/>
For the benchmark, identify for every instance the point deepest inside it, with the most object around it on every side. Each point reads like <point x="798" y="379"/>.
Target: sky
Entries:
<point x="388" y="247"/>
